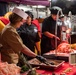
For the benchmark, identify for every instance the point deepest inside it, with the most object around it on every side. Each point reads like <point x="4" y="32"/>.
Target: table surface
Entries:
<point x="65" y="66"/>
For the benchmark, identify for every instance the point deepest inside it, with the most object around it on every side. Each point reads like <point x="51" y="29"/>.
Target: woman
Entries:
<point x="11" y="41"/>
<point x="29" y="34"/>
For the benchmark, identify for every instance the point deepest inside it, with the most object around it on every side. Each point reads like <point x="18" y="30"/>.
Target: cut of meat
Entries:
<point x="64" y="48"/>
<point x="9" y="69"/>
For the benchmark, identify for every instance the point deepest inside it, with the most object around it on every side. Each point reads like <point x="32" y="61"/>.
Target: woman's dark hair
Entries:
<point x="14" y="18"/>
<point x="30" y="14"/>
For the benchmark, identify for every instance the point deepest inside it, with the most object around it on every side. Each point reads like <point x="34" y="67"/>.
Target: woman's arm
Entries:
<point x="28" y="52"/>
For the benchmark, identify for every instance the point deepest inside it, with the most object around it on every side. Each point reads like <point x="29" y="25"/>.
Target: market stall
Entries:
<point x="58" y="65"/>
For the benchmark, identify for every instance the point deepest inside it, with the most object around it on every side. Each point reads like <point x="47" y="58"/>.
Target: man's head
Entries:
<point x="62" y="17"/>
<point x="55" y="11"/>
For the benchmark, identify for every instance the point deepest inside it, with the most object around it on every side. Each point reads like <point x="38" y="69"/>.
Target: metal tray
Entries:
<point x="58" y="56"/>
<point x="36" y="63"/>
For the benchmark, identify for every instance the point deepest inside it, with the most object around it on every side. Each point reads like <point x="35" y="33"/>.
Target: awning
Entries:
<point x="30" y="2"/>
<point x="36" y="2"/>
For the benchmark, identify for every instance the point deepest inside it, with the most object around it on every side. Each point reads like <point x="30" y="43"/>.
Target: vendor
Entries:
<point x="48" y="31"/>
<point x="11" y="41"/>
<point x="29" y="34"/>
<point x="65" y="28"/>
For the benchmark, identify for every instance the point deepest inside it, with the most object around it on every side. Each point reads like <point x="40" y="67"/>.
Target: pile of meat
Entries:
<point x="64" y="48"/>
<point x="9" y="69"/>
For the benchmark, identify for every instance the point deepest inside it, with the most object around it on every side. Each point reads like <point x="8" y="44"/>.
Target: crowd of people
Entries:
<point x="24" y="35"/>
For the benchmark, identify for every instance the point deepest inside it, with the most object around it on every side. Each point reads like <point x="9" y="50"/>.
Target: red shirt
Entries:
<point x="4" y="20"/>
<point x="36" y="23"/>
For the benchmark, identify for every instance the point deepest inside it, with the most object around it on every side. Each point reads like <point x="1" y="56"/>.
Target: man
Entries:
<point x="48" y="31"/>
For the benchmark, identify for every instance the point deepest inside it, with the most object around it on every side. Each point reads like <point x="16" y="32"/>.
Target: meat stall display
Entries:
<point x="53" y="64"/>
<point x="9" y="69"/>
<point x="61" y="52"/>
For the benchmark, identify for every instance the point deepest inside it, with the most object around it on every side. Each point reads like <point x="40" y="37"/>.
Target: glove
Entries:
<point x="44" y="60"/>
<point x="41" y="58"/>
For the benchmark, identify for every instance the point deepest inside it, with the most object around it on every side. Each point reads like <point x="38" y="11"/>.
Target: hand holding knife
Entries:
<point x="44" y="60"/>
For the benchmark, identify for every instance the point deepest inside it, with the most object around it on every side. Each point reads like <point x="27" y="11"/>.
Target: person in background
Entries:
<point x="65" y="28"/>
<point x="36" y="23"/>
<point x="12" y="44"/>
<point x="48" y="31"/>
<point x="29" y="34"/>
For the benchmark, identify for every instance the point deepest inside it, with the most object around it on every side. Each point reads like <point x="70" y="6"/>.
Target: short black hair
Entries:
<point x="55" y="9"/>
<point x="30" y="14"/>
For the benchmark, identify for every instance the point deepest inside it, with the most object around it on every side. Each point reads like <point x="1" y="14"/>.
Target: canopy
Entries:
<point x="30" y="2"/>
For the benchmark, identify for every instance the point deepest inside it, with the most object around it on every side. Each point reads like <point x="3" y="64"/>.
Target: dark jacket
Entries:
<point x="47" y="43"/>
<point x="29" y="35"/>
